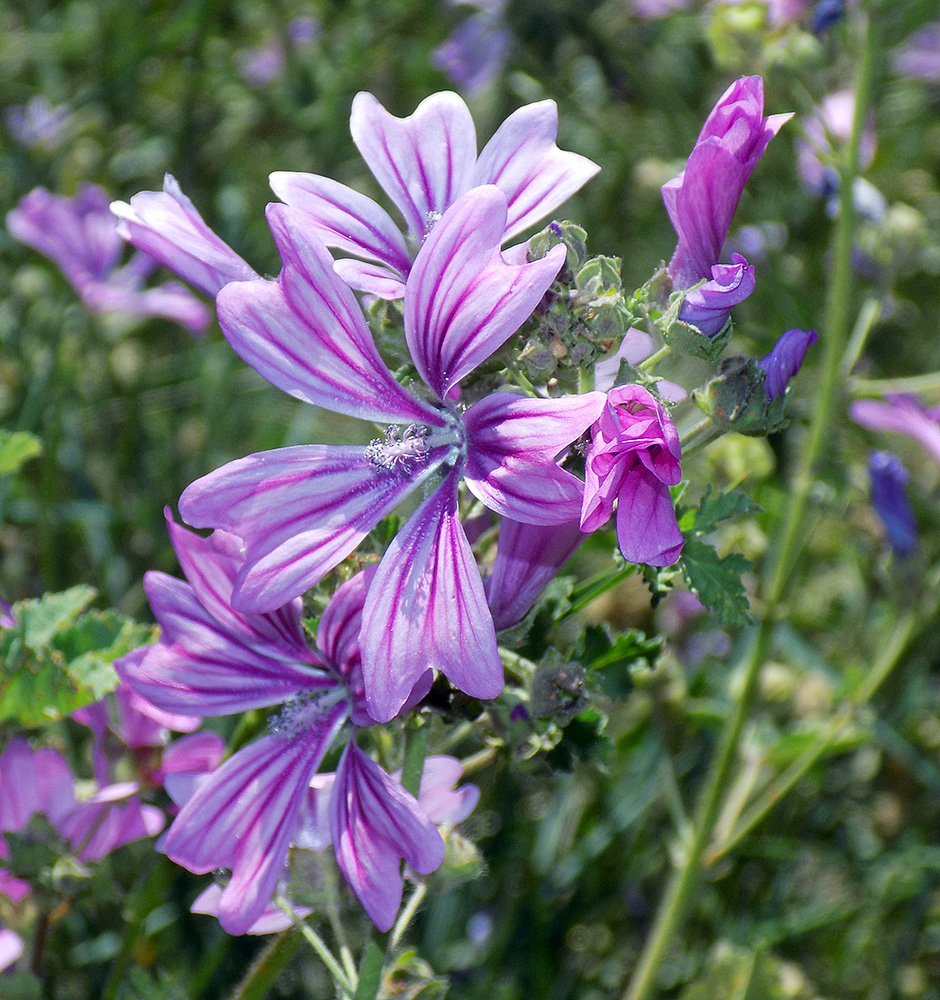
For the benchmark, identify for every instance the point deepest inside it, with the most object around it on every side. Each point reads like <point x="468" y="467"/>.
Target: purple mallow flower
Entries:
<point x="889" y="498"/>
<point x="633" y="459"/>
<point x="38" y="125"/>
<point x="425" y="163"/>
<point x="919" y="55"/>
<point x="474" y="54"/>
<point x="701" y="201"/>
<point x="902" y="415"/>
<point x="785" y="359"/>
<point x="213" y="659"/>
<point x="79" y="234"/>
<point x="707" y="307"/>
<point x="301" y="510"/>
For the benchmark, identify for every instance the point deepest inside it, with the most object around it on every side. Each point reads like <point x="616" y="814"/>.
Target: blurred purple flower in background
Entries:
<point x="889" y="498"/>
<point x="38" y="125"/>
<point x="633" y="459"/>
<point x="919" y="55"/>
<point x="473" y="56"/>
<point x="11" y="947"/>
<point x="262" y="64"/>
<point x="901" y="415"/>
<point x="701" y="201"/>
<point x="80" y="235"/>
<point x="785" y="359"/>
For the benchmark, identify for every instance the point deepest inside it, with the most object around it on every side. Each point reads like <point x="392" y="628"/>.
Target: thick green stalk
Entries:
<point x="675" y="903"/>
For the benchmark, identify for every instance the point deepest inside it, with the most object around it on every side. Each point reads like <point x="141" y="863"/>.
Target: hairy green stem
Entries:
<point x="679" y="892"/>
<point x="319" y="946"/>
<point x="407" y="914"/>
<point x="266" y="968"/>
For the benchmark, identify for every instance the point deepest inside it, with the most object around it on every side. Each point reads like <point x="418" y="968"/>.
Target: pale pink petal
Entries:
<point x="300" y="511"/>
<point x="426" y="608"/>
<point x="463" y="301"/>
<point x="523" y="160"/>
<point x="423" y="162"/>
<point x="272" y="920"/>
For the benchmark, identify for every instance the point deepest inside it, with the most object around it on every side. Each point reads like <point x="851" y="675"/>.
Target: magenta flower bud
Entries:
<point x="166" y="225"/>
<point x="633" y="459"/>
<point x="785" y="360"/>
<point x="702" y="200"/>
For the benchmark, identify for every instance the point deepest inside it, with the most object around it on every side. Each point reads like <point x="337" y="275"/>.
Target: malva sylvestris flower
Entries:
<point x="701" y="201"/>
<point x="633" y="459"/>
<point x="212" y="659"/>
<point x="424" y="162"/>
<point x="301" y="510"/>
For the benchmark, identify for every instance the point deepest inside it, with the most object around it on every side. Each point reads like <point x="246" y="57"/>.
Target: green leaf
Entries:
<point x="717" y="581"/>
<point x="717" y="507"/>
<point x="57" y="659"/>
<point x="611" y="661"/>
<point x="39" y="619"/>
<point x="17" y="447"/>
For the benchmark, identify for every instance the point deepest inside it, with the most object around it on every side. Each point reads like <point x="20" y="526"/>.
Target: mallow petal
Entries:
<point x="299" y="510"/>
<point x="528" y="557"/>
<point x="272" y="920"/>
<point x="426" y="608"/>
<point x="513" y="443"/>
<point x="374" y="279"/>
<point x="211" y="566"/>
<point x="375" y="823"/>
<point x="166" y="225"/>
<point x="708" y="307"/>
<point x="306" y="334"/>
<point x="523" y="160"/>
<point x="647" y="531"/>
<point x="902" y="415"/>
<point x="423" y="162"/>
<point x="338" y="630"/>
<point x="198" y="668"/>
<point x="344" y="218"/>
<point x="243" y="816"/>
<point x="463" y="301"/>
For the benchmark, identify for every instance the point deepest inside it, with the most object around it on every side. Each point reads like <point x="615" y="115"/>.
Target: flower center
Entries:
<point x="402" y="450"/>
<point x="308" y="710"/>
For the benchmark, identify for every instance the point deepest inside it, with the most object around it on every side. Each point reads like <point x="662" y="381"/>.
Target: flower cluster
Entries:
<point x="233" y="636"/>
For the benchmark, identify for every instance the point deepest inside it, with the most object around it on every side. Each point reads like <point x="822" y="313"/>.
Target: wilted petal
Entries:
<point x="198" y="668"/>
<point x="166" y="225"/>
<point x="375" y="823"/>
<point x="646" y="520"/>
<point x="243" y="818"/>
<point x="423" y="162"/>
<point x="523" y="160"/>
<point x="306" y="334"/>
<point x="300" y="511"/>
<point x="528" y="557"/>
<point x="513" y="443"/>
<point x="344" y="218"/>
<point x="426" y="608"/>
<point x="463" y="301"/>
